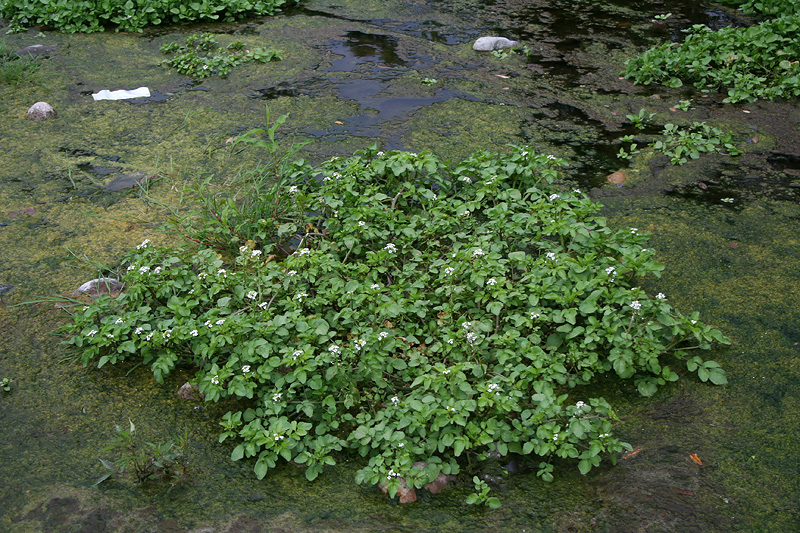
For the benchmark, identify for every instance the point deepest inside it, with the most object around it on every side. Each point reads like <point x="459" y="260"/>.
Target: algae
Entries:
<point x="736" y="262"/>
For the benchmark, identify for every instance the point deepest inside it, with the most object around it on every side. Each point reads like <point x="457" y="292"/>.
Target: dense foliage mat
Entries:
<point x="128" y="15"/>
<point x="758" y="62"/>
<point x="416" y="312"/>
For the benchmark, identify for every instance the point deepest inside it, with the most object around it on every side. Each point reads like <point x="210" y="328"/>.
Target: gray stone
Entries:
<point x="37" y="50"/>
<point x="128" y="181"/>
<point x="487" y="44"/>
<point x="41" y="111"/>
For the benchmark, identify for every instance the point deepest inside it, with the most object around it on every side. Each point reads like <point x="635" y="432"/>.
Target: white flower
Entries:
<point x="395" y="400"/>
<point x="471" y="337"/>
<point x="379" y="154"/>
<point x="534" y="316"/>
<point x="553" y="196"/>
<point x="555" y="438"/>
<point x="205" y="67"/>
<point x="634" y="230"/>
<point x="334" y="349"/>
<point x="263" y="305"/>
<point x="466" y="212"/>
<point x="167" y="333"/>
<point x="465" y="179"/>
<point x="636" y="305"/>
<point x="551" y="157"/>
<point x="220" y="322"/>
<point x="660" y="296"/>
<point x="610" y="270"/>
<point x="207" y="323"/>
<point x="194" y="333"/>
<point x="451" y="409"/>
<point x="296" y="354"/>
<point x="478" y="252"/>
<point x="276" y="396"/>
<point x="448" y="271"/>
<point x="278" y="437"/>
<point x="138" y="330"/>
<point x="491" y="281"/>
<point x="131" y="267"/>
<point x="303" y="251"/>
<point x="493" y="387"/>
<point x="255" y="253"/>
<point x="243" y="248"/>
<point x="551" y="256"/>
<point x="245" y="369"/>
<point x="449" y="341"/>
<point x="157" y="270"/>
<point x="202" y="275"/>
<point x="445" y="372"/>
<point x="360" y="343"/>
<point x="215" y="380"/>
<point x="466" y="325"/>
<point x="293" y="189"/>
<point x="375" y="286"/>
<point x="299" y="297"/>
<point x="580" y="405"/>
<point x="144" y="244"/>
<point x="693" y="322"/>
<point x="252" y="295"/>
<point x="525" y="153"/>
<point x="401" y="444"/>
<point x="149" y="336"/>
<point x="391" y="248"/>
<point x="361" y="223"/>
<point x="383" y="334"/>
<point x="144" y="269"/>
<point x="119" y="321"/>
<point x="291" y="273"/>
<point x="435" y="196"/>
<point x="392" y="474"/>
<point x="92" y="333"/>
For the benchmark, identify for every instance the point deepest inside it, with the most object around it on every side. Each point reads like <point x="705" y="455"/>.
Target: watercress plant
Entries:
<point x="418" y="313"/>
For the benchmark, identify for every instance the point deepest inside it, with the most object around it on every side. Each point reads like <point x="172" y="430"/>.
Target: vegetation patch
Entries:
<point x="201" y="56"/>
<point x="419" y="313"/>
<point x="760" y="61"/>
<point x="87" y="16"/>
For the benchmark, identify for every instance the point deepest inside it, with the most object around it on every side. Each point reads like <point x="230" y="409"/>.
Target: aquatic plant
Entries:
<point x="5" y="384"/>
<point x="153" y="462"/>
<point x="201" y="56"/>
<point x="419" y="313"/>
<point x="760" y="61"/>
<point x="682" y="143"/>
<point x="87" y="16"/>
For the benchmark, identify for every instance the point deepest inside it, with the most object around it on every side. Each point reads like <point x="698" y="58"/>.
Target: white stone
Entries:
<point x="487" y="44"/>
<point x="41" y="111"/>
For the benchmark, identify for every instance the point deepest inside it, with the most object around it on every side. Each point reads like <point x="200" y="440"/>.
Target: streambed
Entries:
<point x="352" y="75"/>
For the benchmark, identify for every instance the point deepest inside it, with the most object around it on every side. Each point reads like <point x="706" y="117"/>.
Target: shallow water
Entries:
<point x="352" y="76"/>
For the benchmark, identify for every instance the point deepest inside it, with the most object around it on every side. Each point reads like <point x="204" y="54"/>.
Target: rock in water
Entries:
<point x="487" y="44"/>
<point x="99" y="286"/>
<point x="41" y="111"/>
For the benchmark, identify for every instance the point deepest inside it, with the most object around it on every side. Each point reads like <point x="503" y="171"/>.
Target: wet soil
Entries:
<point x="353" y="73"/>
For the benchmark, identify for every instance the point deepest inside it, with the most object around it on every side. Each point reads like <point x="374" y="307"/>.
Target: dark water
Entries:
<point x="353" y="73"/>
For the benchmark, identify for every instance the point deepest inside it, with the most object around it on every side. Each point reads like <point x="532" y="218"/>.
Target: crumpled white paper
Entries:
<point x="122" y="94"/>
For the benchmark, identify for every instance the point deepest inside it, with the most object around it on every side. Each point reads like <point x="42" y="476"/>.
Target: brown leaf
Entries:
<point x="695" y="458"/>
<point x="339" y="122"/>
<point x="683" y="491"/>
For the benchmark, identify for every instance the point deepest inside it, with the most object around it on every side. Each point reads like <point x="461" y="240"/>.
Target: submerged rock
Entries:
<point x="3" y="290"/>
<point x="41" y="111"/>
<point x="37" y="50"/>
<point x="190" y="392"/>
<point x="487" y="44"/>
<point x="128" y="181"/>
<point x="407" y="494"/>
<point x="99" y="286"/>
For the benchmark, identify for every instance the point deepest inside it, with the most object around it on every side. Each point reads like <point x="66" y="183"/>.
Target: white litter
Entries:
<point x="122" y="94"/>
